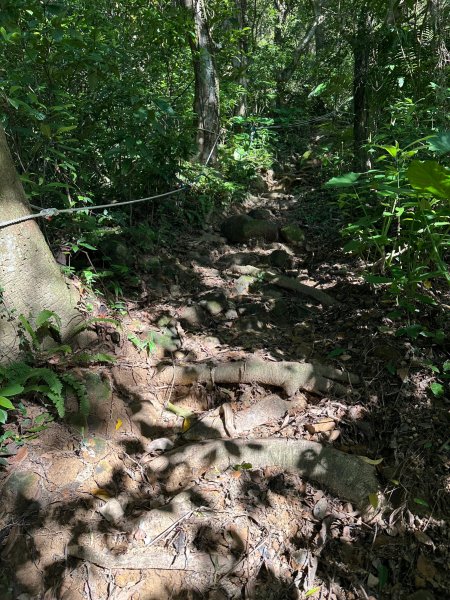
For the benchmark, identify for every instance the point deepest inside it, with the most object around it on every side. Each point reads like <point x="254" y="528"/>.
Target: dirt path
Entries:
<point x="114" y="509"/>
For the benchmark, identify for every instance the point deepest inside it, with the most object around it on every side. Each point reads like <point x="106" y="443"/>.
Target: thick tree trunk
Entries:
<point x="206" y="100"/>
<point x="30" y="279"/>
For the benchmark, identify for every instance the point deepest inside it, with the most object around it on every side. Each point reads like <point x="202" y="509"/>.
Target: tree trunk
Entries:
<point x="206" y="99"/>
<point x="30" y="279"/>
<point x="318" y="8"/>
<point x="241" y="62"/>
<point x="361" y="54"/>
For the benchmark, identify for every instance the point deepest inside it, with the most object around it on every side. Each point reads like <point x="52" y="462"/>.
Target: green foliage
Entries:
<point x="48" y="383"/>
<point x="403" y="219"/>
<point x="147" y="344"/>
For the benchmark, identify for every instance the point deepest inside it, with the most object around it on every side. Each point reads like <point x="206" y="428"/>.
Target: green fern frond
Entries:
<point x="79" y="390"/>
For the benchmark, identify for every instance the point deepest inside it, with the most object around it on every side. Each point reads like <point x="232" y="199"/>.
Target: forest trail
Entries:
<point x="237" y="525"/>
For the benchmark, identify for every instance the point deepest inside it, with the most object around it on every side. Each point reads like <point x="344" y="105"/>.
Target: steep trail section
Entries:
<point x="214" y="463"/>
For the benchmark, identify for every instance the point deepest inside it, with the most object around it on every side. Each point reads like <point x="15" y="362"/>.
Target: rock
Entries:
<point x="280" y="259"/>
<point x="293" y="235"/>
<point x="231" y="314"/>
<point x="240" y="229"/>
<point x="214" y="303"/>
<point x="192" y="315"/>
<point x="260" y="213"/>
<point x="259" y="184"/>
<point x="20" y="491"/>
<point x="242" y="284"/>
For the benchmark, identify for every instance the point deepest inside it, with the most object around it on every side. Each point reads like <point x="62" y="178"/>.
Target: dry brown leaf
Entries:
<point x="19" y="457"/>
<point x="426" y="568"/>
<point x="423" y="538"/>
<point x="403" y="373"/>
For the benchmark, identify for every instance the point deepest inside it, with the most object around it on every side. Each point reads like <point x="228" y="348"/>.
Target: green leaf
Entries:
<point x="421" y="502"/>
<point x="44" y="316"/>
<point x="318" y="90"/>
<point x="336" y="352"/>
<point x="6" y="403"/>
<point x="429" y="176"/>
<point x="27" y="326"/>
<point x="383" y="576"/>
<point x="46" y="130"/>
<point x="373" y="499"/>
<point x="66" y="128"/>
<point x="376" y="279"/>
<point x="347" y="180"/>
<point x="392" y="150"/>
<point x="11" y="390"/>
<point x="312" y="591"/>
<point x="440" y="143"/>
<point x="3" y="416"/>
<point x="437" y="389"/>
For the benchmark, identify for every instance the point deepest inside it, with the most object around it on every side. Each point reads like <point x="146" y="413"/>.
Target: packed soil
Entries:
<point x="95" y="509"/>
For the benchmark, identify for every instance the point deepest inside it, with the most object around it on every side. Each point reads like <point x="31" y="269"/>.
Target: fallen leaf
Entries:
<point x="320" y="509"/>
<point x="403" y="373"/>
<point x="320" y="426"/>
<point x="371" y="461"/>
<point x="426" y="568"/>
<point x="423" y="538"/>
<point x="373" y="499"/>
<point x="119" y="424"/>
<point x="100" y="493"/>
<point x="19" y="457"/>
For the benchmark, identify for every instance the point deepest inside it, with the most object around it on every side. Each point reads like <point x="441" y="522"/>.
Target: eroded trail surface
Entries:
<point x="262" y="435"/>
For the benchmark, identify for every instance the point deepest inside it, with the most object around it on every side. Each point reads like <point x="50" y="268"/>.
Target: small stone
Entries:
<point x="242" y="284"/>
<point x="112" y="511"/>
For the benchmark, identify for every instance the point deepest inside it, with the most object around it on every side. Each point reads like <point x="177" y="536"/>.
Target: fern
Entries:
<point x="53" y="389"/>
<point x="79" y="390"/>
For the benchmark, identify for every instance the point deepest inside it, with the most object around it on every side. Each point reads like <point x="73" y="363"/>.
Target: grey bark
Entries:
<point x="206" y="99"/>
<point x="30" y="279"/>
<point x="241" y="62"/>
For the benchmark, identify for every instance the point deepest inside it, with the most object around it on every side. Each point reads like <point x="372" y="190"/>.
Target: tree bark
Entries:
<point x="30" y="279"/>
<point x="241" y="63"/>
<point x="361" y="55"/>
<point x="206" y="99"/>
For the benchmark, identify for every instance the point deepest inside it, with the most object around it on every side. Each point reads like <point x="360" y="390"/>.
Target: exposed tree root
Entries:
<point x="152" y="558"/>
<point x="222" y="422"/>
<point x="345" y="475"/>
<point x="291" y="376"/>
<point x="287" y="283"/>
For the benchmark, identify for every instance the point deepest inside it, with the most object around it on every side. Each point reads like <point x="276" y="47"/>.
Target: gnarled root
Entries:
<point x="345" y="475"/>
<point x="291" y="376"/>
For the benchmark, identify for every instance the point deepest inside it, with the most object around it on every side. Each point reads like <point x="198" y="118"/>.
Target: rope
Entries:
<point x="52" y="212"/>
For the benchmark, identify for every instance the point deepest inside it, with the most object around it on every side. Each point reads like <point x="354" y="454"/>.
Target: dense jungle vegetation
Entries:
<point x="135" y="129"/>
<point x="104" y="102"/>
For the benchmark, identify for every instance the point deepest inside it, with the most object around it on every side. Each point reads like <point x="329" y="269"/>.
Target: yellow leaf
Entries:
<point x="371" y="461"/>
<point x="186" y="424"/>
<point x="427" y="284"/>
<point x="119" y="424"/>
<point x="100" y="493"/>
<point x="373" y="499"/>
